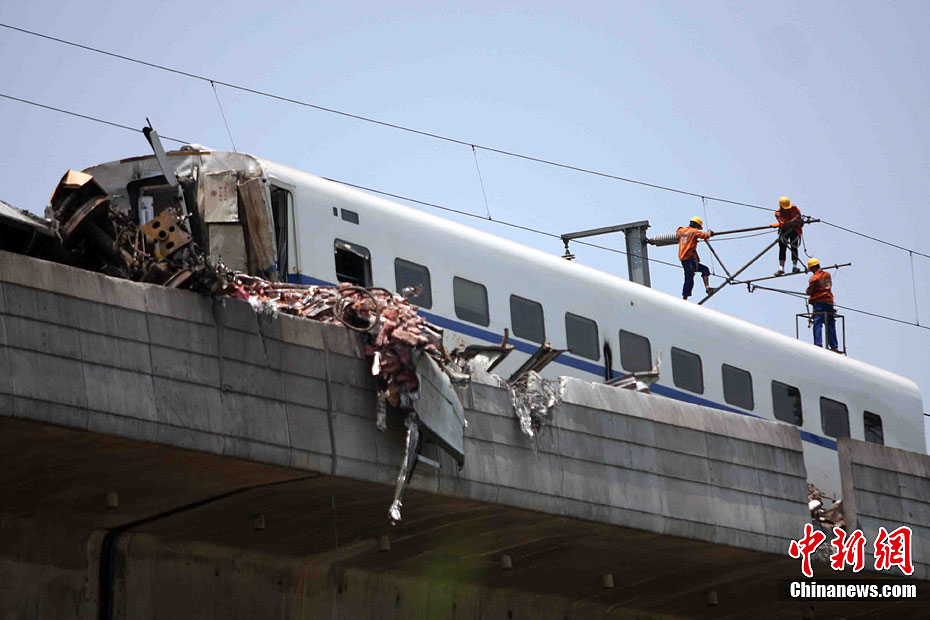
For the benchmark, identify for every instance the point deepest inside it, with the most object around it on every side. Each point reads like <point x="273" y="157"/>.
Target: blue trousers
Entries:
<point x="819" y="308"/>
<point x="691" y="265"/>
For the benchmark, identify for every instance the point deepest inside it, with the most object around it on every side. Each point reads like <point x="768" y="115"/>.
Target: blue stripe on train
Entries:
<point x="582" y="365"/>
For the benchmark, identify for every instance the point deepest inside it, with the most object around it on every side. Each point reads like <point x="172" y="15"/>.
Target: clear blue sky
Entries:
<point x="824" y="102"/>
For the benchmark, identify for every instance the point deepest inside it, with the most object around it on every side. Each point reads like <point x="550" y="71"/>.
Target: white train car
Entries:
<point x="477" y="284"/>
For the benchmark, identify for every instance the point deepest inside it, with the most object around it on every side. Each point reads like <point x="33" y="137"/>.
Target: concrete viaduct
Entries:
<point x="166" y="455"/>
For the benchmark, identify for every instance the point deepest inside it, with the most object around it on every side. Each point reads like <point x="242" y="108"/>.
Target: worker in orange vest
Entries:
<point x="820" y="295"/>
<point x="687" y="253"/>
<point x="789" y="224"/>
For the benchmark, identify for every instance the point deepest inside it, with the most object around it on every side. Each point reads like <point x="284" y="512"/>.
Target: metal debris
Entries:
<point x="533" y="399"/>
<point x="543" y="356"/>
<point x="407" y="464"/>
<point x="829" y="517"/>
<point x="479" y="358"/>
<point x="96" y="235"/>
<point x="637" y="381"/>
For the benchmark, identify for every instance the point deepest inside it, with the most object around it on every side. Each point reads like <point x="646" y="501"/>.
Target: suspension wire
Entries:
<point x="460" y="212"/>
<point x="481" y="181"/>
<point x="223" y="114"/>
<point x="428" y="134"/>
<point x="914" y="284"/>
<point x="86" y="117"/>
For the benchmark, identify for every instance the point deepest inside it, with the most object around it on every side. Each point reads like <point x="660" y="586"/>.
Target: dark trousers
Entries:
<point x="823" y="310"/>
<point x="785" y="238"/>
<point x="691" y="265"/>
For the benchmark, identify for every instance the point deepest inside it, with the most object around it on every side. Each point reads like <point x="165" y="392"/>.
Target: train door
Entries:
<point x="285" y="229"/>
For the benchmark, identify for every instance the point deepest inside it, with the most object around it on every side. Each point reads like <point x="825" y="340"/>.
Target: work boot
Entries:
<point x="780" y="272"/>
<point x="710" y="290"/>
<point x="795" y="269"/>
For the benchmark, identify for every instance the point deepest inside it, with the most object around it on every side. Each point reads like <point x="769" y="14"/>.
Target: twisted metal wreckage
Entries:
<point x="87" y="228"/>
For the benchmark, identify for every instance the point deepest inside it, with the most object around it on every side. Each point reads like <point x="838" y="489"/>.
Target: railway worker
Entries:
<point x="687" y="254"/>
<point x="789" y="224"/>
<point x="821" y="298"/>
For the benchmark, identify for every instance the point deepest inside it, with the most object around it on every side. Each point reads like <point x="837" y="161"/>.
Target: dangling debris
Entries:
<point x="533" y="399"/>
<point x="406" y="466"/>
<point x="85" y="227"/>
<point x="832" y="516"/>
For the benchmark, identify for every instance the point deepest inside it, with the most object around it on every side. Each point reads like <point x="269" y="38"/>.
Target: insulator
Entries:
<point x="669" y="239"/>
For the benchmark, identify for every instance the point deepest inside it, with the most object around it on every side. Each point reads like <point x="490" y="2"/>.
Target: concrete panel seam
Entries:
<point x="76" y="328"/>
<point x="329" y="404"/>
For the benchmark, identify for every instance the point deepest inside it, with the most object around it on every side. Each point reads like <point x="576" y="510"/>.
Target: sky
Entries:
<point x="823" y="102"/>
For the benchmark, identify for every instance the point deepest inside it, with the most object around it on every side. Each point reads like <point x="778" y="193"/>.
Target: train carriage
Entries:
<point x="476" y="285"/>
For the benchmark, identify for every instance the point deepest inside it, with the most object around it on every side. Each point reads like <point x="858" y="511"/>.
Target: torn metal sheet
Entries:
<point x="218" y="197"/>
<point x="259" y="225"/>
<point x="439" y="410"/>
<point x="533" y="399"/>
<point x="24" y="220"/>
<point x="227" y="244"/>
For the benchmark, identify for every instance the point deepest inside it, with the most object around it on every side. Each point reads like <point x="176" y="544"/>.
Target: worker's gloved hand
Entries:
<point x="710" y="232"/>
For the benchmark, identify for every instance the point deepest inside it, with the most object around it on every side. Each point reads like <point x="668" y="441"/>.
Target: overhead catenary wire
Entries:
<point x="429" y="134"/>
<point x="851" y="309"/>
<point x="444" y="208"/>
<point x="85" y="116"/>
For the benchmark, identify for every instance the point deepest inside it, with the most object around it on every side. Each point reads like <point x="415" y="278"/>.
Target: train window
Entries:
<point x="786" y="403"/>
<point x="635" y="352"/>
<point x="350" y="216"/>
<point x="834" y="418"/>
<point x="471" y="301"/>
<point x="353" y="263"/>
<point x="526" y="317"/>
<point x="872" y="423"/>
<point x="687" y="371"/>
<point x="282" y="204"/>
<point x="407" y="274"/>
<point x="737" y="387"/>
<point x="581" y="336"/>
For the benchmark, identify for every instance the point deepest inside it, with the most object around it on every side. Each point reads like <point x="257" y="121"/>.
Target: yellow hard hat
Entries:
<point x="784" y="202"/>
<point x="697" y="220"/>
<point x="812" y="262"/>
